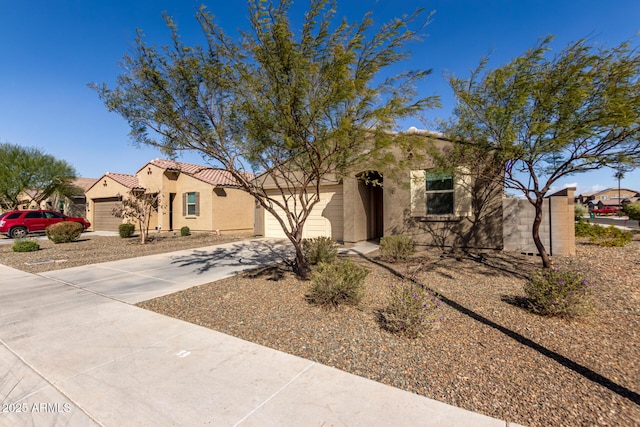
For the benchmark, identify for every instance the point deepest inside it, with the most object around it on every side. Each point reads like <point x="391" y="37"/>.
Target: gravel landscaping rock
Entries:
<point x="486" y="354"/>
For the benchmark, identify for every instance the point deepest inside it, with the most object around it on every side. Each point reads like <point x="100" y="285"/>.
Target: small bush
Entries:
<point x="185" y="231"/>
<point x="558" y="293"/>
<point x="396" y="248"/>
<point x="126" y="230"/>
<point x="319" y="250"/>
<point x="25" y="246"/>
<point x="610" y="236"/>
<point x="64" y="232"/>
<point x="410" y="309"/>
<point x="632" y="210"/>
<point x="585" y="229"/>
<point x="579" y="210"/>
<point x="337" y="283"/>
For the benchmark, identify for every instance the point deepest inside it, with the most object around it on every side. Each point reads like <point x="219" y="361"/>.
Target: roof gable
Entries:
<point x="210" y="175"/>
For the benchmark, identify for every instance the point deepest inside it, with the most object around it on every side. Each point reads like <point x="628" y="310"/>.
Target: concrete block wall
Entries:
<point x="557" y="230"/>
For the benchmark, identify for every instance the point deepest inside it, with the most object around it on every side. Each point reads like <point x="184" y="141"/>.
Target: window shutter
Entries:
<point x="184" y="204"/>
<point x="418" y="193"/>
<point x="462" y="199"/>
<point x="197" y="203"/>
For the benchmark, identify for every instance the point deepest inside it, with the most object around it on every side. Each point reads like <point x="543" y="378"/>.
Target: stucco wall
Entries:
<point x="232" y="209"/>
<point x="105" y="187"/>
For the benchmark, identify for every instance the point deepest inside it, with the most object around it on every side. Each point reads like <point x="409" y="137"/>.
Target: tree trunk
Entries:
<point x="535" y="232"/>
<point x="300" y="265"/>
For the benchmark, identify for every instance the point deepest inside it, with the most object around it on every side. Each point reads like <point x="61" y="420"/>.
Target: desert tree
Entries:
<point x="139" y="205"/>
<point x="29" y="173"/>
<point x="292" y="106"/>
<point x="542" y="117"/>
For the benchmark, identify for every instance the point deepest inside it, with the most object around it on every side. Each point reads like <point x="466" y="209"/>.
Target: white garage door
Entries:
<point x="325" y="218"/>
<point x="103" y="217"/>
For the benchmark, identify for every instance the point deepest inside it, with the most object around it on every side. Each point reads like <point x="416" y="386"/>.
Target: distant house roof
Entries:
<point x="214" y="176"/>
<point x="84" y="183"/>
<point x="606" y="190"/>
<point x="129" y="181"/>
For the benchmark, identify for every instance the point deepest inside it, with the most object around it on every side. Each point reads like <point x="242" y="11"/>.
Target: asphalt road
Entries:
<point x="608" y="220"/>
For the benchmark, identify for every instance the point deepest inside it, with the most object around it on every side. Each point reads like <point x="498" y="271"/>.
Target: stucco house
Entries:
<point x="607" y="197"/>
<point x="202" y="198"/>
<point x="73" y="204"/>
<point x="431" y="208"/>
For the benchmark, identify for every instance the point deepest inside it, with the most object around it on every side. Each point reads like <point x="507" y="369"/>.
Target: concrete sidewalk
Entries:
<point x="74" y="351"/>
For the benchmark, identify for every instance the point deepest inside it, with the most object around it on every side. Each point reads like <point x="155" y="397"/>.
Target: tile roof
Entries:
<point x="208" y="174"/>
<point x="129" y="181"/>
<point x="84" y="183"/>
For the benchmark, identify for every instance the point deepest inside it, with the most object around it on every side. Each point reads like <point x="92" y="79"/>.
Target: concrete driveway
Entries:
<point x="74" y="351"/>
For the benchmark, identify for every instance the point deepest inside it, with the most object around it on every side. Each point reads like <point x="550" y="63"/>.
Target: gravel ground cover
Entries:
<point x="93" y="249"/>
<point x="486" y="354"/>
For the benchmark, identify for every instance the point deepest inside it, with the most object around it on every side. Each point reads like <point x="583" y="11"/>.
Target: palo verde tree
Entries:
<point x="29" y="174"/>
<point x="541" y="118"/>
<point x="293" y="106"/>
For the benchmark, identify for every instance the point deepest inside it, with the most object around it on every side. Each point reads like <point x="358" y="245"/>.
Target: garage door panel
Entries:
<point x="103" y="217"/>
<point x="325" y="218"/>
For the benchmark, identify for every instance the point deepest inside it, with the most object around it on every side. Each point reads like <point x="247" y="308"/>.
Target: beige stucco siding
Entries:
<point x="105" y="188"/>
<point x="232" y="209"/>
<point x="326" y="218"/>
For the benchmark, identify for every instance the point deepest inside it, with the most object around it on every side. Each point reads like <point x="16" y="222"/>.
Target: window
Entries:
<point x="191" y="204"/>
<point x="439" y="196"/>
<point x="33" y="215"/>
<point x="439" y="192"/>
<point x="53" y="215"/>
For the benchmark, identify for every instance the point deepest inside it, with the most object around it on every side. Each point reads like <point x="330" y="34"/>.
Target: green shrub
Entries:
<point x="410" y="310"/>
<point x="185" y="231"/>
<point x="633" y="210"/>
<point x="337" y="283"/>
<point x="126" y="230"/>
<point x="579" y="210"/>
<point x="396" y="248"/>
<point x="25" y="246"/>
<point x="553" y="292"/>
<point x="585" y="229"/>
<point x="64" y="232"/>
<point x="610" y="236"/>
<point x="319" y="250"/>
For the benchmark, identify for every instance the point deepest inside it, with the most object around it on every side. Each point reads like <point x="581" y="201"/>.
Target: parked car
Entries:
<point x="19" y="223"/>
<point x="606" y="210"/>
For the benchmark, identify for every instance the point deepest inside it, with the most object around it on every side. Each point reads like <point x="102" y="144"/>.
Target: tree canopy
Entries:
<point x="29" y="174"/>
<point x="295" y="106"/>
<point x="540" y="117"/>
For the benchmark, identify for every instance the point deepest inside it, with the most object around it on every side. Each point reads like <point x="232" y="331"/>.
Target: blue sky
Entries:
<point x="50" y="50"/>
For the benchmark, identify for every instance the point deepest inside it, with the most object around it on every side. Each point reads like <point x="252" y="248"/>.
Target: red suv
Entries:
<point x="18" y="224"/>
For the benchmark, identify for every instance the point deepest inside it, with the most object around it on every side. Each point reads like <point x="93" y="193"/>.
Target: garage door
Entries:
<point x="103" y="214"/>
<point x="325" y="218"/>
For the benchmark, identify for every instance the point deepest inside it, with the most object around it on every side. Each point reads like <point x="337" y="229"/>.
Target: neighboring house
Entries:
<point x="429" y="207"/>
<point x="73" y="205"/>
<point x="608" y="197"/>
<point x="199" y="197"/>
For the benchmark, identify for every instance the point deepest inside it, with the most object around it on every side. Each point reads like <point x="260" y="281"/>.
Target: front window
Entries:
<point x="191" y="203"/>
<point x="439" y="192"/>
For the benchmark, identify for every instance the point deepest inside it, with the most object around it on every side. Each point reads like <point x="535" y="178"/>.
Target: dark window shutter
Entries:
<point x="197" y="203"/>
<point x="184" y="204"/>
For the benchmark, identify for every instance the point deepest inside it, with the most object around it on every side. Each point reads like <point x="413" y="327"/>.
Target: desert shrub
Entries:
<point x="126" y="230"/>
<point x="586" y="229"/>
<point x="185" y="231"/>
<point x="23" y="245"/>
<point x="64" y="232"/>
<point x="319" y="250"/>
<point x="396" y="248"/>
<point x="610" y="236"/>
<point x="337" y="283"/>
<point x="553" y="292"/>
<point x="633" y="210"/>
<point x="410" y="310"/>
<point x="579" y="210"/>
